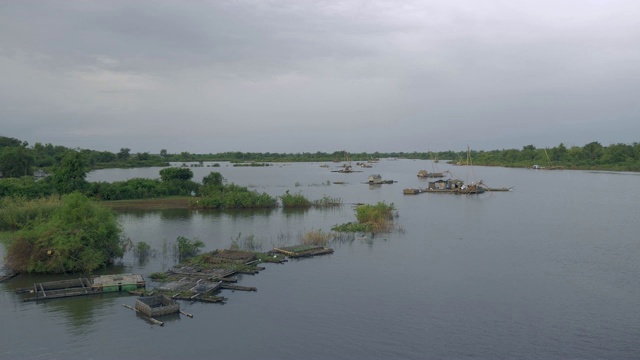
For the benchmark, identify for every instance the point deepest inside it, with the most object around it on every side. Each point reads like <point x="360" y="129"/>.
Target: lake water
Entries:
<point x="549" y="270"/>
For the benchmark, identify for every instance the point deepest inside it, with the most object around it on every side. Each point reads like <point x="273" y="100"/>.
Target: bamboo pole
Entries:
<point x="157" y="322"/>
<point x="186" y="313"/>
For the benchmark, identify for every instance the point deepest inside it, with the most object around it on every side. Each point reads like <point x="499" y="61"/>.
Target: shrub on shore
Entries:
<point x="75" y="236"/>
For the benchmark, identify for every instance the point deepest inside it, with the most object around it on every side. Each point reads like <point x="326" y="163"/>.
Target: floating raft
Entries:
<point x="303" y="251"/>
<point x="198" y="290"/>
<point x="84" y="286"/>
<point x="117" y="283"/>
<point x="187" y="285"/>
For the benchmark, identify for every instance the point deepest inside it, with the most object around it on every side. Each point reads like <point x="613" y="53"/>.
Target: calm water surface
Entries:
<point x="548" y="270"/>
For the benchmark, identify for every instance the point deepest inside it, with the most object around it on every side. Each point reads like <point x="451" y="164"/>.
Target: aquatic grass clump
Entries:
<point x="294" y="200"/>
<point x="247" y="243"/>
<point x="371" y="218"/>
<point x="159" y="276"/>
<point x="316" y="237"/>
<point x="352" y="227"/>
<point x="327" y="201"/>
<point x="142" y="250"/>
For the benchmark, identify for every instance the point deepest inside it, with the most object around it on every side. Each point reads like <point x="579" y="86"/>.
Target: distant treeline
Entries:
<point x="18" y="159"/>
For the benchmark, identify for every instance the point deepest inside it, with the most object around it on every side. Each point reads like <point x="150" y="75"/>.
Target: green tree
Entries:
<point x="143" y="156"/>
<point x="9" y="142"/>
<point x="163" y="152"/>
<point x="213" y="179"/>
<point x="124" y="154"/>
<point x="70" y="175"/>
<point x="528" y="152"/>
<point x="593" y="150"/>
<point x="558" y="153"/>
<point x="617" y="154"/>
<point x="80" y="236"/>
<point x="16" y="161"/>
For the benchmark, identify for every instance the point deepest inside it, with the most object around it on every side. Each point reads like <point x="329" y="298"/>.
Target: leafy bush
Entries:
<point x="371" y="218"/>
<point x="20" y="213"/>
<point x="188" y="247"/>
<point x="234" y="197"/>
<point x="78" y="236"/>
<point x="174" y="173"/>
<point x="25" y="187"/>
<point x="294" y="200"/>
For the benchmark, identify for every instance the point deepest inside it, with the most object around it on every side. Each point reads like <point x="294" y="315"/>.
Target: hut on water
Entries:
<point x="375" y="179"/>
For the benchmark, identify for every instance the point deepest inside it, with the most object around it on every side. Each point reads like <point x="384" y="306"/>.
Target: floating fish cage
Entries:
<point x="158" y="305"/>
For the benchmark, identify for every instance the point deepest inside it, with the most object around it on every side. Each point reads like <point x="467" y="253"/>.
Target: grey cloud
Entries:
<point x="493" y="73"/>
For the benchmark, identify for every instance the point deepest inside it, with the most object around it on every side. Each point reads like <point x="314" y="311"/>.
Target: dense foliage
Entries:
<point x="75" y="235"/>
<point x="233" y="196"/>
<point x="371" y="218"/>
<point x="296" y="200"/>
<point x="18" y="159"/>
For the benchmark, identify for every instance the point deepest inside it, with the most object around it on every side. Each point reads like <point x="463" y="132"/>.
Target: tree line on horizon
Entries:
<point x="18" y="159"/>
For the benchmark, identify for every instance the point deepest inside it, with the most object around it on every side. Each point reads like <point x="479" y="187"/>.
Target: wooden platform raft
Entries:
<point x="84" y="286"/>
<point x="299" y="251"/>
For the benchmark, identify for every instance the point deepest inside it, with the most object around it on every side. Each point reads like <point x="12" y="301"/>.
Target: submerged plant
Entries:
<point x="188" y="247"/>
<point x="247" y="243"/>
<point x="142" y="250"/>
<point x="316" y="237"/>
<point x="327" y="201"/>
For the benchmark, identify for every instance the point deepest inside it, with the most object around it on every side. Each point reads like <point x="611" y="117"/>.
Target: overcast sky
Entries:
<point x="307" y="76"/>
